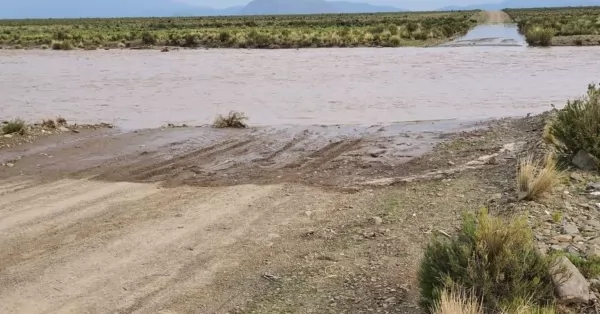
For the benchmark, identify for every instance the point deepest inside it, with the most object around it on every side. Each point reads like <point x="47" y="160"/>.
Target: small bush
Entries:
<point x="495" y="259"/>
<point x="576" y="126"/>
<point x="539" y="36"/>
<point x="49" y="124"/>
<point x="233" y="120"/>
<point x="61" y="121"/>
<point x="62" y="45"/>
<point x="14" y="126"/>
<point x="589" y="267"/>
<point x="535" y="179"/>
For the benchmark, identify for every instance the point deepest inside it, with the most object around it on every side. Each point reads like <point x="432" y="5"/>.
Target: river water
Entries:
<point x="138" y="89"/>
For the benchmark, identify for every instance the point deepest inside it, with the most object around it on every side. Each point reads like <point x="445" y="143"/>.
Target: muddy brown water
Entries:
<point x="138" y="89"/>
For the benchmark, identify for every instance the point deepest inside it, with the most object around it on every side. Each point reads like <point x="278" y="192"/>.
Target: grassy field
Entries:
<point x="292" y="31"/>
<point x="559" y="26"/>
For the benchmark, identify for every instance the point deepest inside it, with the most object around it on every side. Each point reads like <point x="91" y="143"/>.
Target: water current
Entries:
<point x="138" y="89"/>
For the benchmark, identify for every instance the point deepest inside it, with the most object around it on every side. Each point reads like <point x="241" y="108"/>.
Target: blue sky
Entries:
<point x="406" y="4"/>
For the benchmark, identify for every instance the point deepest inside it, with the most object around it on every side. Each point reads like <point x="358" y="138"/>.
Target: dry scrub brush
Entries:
<point x="535" y="179"/>
<point x="14" y="126"/>
<point x="232" y="120"/>
<point x="493" y="258"/>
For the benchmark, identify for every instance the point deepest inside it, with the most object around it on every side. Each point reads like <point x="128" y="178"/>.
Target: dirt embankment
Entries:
<point x="272" y="220"/>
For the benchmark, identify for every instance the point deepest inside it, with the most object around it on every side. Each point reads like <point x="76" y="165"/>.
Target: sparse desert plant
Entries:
<point x="14" y="126"/>
<point x="61" y="121"/>
<point x="456" y="301"/>
<point x="62" y="45"/>
<point x="233" y="119"/>
<point x="576" y="126"/>
<point x="534" y="179"/>
<point x="494" y="258"/>
<point x="539" y="36"/>
<point x="49" y="123"/>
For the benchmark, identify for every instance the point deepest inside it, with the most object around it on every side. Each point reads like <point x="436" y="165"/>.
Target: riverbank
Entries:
<point x="570" y="26"/>
<point x="323" y="219"/>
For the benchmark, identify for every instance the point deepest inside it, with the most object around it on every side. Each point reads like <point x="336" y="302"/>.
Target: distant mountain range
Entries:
<point x="515" y="4"/>
<point x="137" y="8"/>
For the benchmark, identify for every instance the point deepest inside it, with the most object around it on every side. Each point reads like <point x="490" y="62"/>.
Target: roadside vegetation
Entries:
<point x="491" y="261"/>
<point x="575" y="128"/>
<point x="292" y="31"/>
<point x="574" y="26"/>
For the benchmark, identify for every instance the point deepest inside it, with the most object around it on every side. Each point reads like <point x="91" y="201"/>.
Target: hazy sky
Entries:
<point x="405" y="4"/>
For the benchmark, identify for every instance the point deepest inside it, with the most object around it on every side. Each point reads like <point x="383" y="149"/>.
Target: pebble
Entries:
<point x="8" y="135"/>
<point x="570" y="228"/>
<point x="10" y="165"/>
<point x="563" y="238"/>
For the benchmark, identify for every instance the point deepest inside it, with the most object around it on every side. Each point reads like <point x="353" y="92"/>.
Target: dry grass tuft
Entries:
<point x="535" y="179"/>
<point x="234" y="119"/>
<point x="61" y="121"/>
<point x="453" y="302"/>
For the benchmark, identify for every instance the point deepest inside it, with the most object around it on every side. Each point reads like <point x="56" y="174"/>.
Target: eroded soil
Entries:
<point x="196" y="220"/>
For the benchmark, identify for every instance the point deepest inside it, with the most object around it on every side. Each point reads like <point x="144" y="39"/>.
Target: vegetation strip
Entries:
<point x="285" y="31"/>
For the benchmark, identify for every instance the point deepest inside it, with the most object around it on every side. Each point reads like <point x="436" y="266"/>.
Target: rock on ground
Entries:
<point x="572" y="287"/>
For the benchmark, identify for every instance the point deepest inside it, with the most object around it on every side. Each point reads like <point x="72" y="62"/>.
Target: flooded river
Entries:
<point x="137" y="89"/>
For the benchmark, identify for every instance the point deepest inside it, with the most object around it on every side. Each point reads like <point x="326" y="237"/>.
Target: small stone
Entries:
<point x="556" y="248"/>
<point x="593" y="223"/>
<point x="578" y="238"/>
<point x="595" y="194"/>
<point x="593" y="251"/>
<point x="10" y="164"/>
<point x="571" y="287"/>
<point x="8" y="135"/>
<point x="595" y="284"/>
<point x="584" y="161"/>
<point x="308" y="213"/>
<point x="376" y="220"/>
<point x="64" y="129"/>
<point x="450" y="163"/>
<point x="570" y="228"/>
<point x="563" y="238"/>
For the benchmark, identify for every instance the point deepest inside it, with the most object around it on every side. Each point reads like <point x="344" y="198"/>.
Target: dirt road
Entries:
<point x="253" y="221"/>
<point x="496" y="17"/>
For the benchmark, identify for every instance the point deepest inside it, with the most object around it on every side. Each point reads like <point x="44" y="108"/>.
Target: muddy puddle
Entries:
<point x="139" y="89"/>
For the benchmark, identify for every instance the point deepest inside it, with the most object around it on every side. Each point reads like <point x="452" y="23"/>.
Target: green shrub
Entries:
<point x="149" y="38"/>
<point x="539" y="36"/>
<point x="576" y="126"/>
<point x="494" y="259"/>
<point x="589" y="267"/>
<point x="62" y="45"/>
<point x="14" y="126"/>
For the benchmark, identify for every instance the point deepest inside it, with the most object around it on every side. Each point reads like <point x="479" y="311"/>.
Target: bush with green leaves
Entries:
<point x="577" y="126"/>
<point x="493" y="259"/>
<point x="539" y="36"/>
